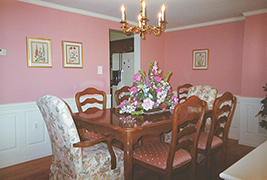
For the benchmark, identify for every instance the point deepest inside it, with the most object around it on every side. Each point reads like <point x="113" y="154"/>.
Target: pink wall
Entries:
<point x="152" y="49"/>
<point x="225" y="44"/>
<point x="22" y="84"/>
<point x="254" y="73"/>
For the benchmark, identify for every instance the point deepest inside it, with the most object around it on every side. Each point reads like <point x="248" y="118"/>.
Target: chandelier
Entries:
<point x="143" y="28"/>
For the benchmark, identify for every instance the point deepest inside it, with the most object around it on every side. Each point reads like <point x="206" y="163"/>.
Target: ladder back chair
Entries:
<point x="170" y="158"/>
<point x="208" y="94"/>
<point x="217" y="138"/>
<point x="182" y="92"/>
<point x="122" y="94"/>
<point x="90" y="100"/>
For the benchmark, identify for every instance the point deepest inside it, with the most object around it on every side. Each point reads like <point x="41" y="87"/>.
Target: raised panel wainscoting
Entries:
<point x="24" y="137"/>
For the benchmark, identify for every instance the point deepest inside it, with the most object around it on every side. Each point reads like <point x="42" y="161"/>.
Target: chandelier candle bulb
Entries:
<point x="139" y="19"/>
<point x="159" y="21"/>
<point x="144" y="9"/>
<point x="163" y="9"/>
<point x="123" y="13"/>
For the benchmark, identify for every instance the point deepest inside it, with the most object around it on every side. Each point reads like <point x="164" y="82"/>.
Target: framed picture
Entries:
<point x="200" y="59"/>
<point x="72" y="54"/>
<point x="39" y="52"/>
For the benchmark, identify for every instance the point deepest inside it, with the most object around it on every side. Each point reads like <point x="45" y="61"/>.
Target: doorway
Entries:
<point x="124" y="60"/>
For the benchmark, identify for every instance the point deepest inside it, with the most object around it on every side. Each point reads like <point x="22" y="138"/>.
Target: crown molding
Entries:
<point x="251" y="13"/>
<point x="207" y="24"/>
<point x="101" y="16"/>
<point x="73" y="10"/>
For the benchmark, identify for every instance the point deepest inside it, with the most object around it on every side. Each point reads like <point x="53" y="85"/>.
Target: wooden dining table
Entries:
<point x="126" y="128"/>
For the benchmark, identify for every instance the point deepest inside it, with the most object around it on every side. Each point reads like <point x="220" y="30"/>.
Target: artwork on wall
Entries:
<point x="39" y="52"/>
<point x="200" y="59"/>
<point x="72" y="54"/>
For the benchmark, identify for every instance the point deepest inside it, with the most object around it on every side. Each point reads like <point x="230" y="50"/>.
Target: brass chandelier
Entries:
<point x="143" y="28"/>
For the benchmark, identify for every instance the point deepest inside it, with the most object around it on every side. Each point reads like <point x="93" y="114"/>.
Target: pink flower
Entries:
<point x="163" y="105"/>
<point x="147" y="104"/>
<point x="158" y="79"/>
<point x="137" y="77"/>
<point x="133" y="89"/>
<point x="159" y="89"/>
<point x="174" y="100"/>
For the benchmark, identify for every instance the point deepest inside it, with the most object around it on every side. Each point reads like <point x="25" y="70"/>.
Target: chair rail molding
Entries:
<point x="24" y="136"/>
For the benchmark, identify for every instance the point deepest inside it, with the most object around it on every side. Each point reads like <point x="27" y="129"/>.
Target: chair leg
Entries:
<point x="208" y="165"/>
<point x="224" y="157"/>
<point x="193" y="171"/>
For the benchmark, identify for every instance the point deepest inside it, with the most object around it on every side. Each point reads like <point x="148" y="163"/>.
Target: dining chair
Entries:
<point x="208" y="94"/>
<point x="170" y="158"/>
<point x="217" y="138"/>
<point x="182" y="92"/>
<point x="122" y="94"/>
<point x="90" y="100"/>
<point x="71" y="158"/>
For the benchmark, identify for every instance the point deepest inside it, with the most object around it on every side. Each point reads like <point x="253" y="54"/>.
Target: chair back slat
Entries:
<point x="88" y="98"/>
<point x="122" y="94"/>
<point x="182" y="92"/>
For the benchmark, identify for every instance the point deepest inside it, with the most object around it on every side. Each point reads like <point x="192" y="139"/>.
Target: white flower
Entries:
<point x="147" y="104"/>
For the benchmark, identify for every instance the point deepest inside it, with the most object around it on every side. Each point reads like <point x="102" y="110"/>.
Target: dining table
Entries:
<point x="127" y="128"/>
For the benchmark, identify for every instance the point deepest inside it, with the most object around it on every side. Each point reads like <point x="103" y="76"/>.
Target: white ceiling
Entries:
<point x="180" y="13"/>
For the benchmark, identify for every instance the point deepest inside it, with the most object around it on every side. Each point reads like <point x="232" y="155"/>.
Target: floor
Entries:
<point x="39" y="169"/>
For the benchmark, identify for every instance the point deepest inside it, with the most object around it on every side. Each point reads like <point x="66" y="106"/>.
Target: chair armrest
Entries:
<point x="110" y="149"/>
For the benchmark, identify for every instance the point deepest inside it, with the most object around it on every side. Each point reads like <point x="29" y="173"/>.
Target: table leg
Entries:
<point x="128" y="157"/>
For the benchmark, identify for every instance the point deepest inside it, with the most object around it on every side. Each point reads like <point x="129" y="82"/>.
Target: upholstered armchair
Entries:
<point x="73" y="159"/>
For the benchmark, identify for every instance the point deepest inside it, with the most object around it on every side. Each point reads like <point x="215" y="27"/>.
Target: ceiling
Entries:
<point x="180" y="13"/>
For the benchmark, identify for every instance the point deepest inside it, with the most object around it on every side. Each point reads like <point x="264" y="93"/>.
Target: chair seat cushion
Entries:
<point x="156" y="154"/>
<point x="96" y="162"/>
<point x="92" y="135"/>
<point x="216" y="141"/>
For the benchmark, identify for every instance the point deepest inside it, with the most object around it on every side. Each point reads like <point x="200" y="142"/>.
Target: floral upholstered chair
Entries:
<point x="204" y="92"/>
<point x="73" y="159"/>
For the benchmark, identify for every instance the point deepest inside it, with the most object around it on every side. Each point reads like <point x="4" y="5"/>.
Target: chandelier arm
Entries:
<point x="155" y="30"/>
<point x="130" y="30"/>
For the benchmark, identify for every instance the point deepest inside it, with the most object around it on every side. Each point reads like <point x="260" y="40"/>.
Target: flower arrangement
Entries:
<point x="149" y="93"/>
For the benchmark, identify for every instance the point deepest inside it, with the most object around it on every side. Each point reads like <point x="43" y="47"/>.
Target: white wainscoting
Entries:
<point x="251" y="133"/>
<point x="23" y="134"/>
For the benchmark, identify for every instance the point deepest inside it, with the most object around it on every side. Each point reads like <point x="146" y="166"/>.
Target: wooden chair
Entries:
<point x="208" y="94"/>
<point x="169" y="158"/>
<point x="87" y="102"/>
<point x="122" y="94"/>
<point x="90" y="100"/>
<point x="217" y="138"/>
<point x="73" y="159"/>
<point x="182" y="92"/>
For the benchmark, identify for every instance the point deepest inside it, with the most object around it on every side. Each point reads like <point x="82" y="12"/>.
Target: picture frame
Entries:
<point x="72" y="54"/>
<point x="39" y="52"/>
<point x="200" y="59"/>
